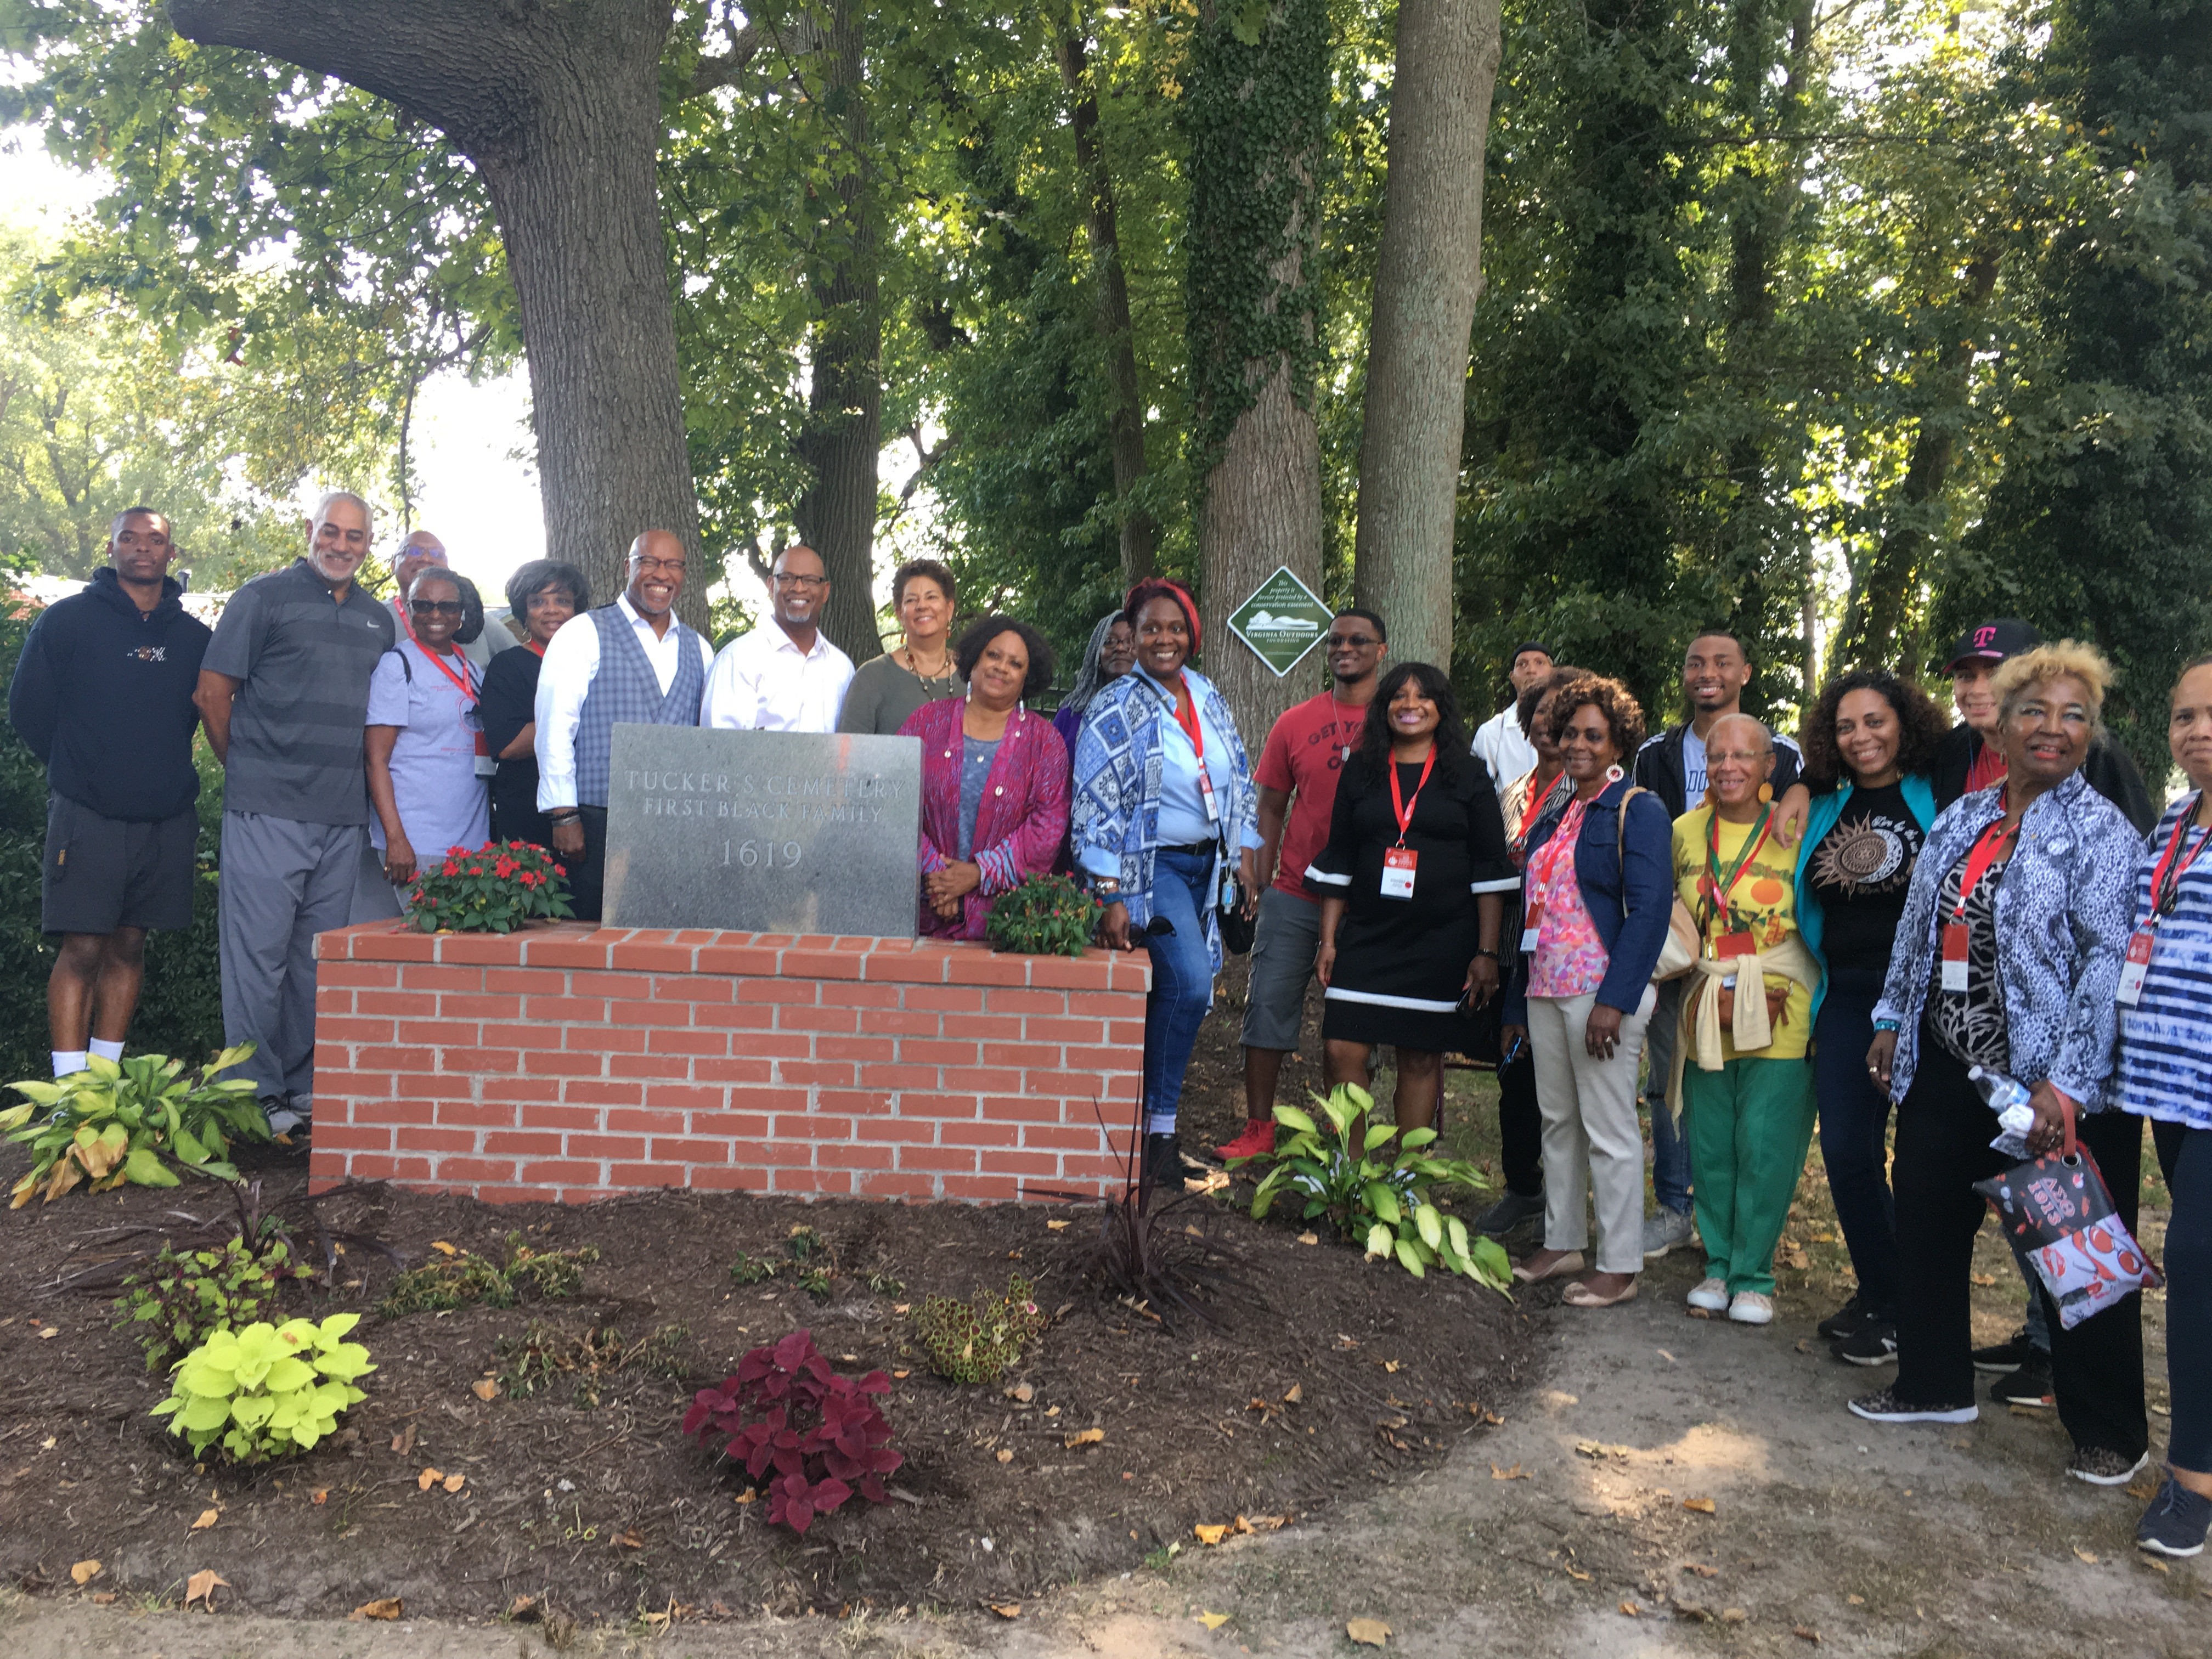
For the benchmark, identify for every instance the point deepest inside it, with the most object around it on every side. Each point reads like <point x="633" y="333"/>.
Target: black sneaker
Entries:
<point x="2174" y="1524"/>
<point x="1874" y="1343"/>
<point x="2028" y="1385"/>
<point x="1844" y="1322"/>
<point x="2008" y="1355"/>
<point x="1512" y="1210"/>
<point x="2100" y="1466"/>
<point x="1163" y="1161"/>
<point x="1887" y="1407"/>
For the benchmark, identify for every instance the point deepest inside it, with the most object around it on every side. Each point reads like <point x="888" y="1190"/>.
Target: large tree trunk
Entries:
<point x="1140" y="534"/>
<point x="842" y="441"/>
<point x="1427" y="276"/>
<point x="1255" y="110"/>
<point x="559" y="106"/>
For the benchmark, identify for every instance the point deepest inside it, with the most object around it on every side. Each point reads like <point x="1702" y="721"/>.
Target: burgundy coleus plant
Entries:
<point x="806" y="1435"/>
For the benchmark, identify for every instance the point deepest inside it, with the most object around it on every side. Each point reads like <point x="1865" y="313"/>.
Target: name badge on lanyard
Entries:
<point x="1987" y="848"/>
<point x="1398" y="864"/>
<point x="1954" y="955"/>
<point x="1206" y="793"/>
<point x="1532" y="923"/>
<point x="2165" y="894"/>
<point x="2140" y="945"/>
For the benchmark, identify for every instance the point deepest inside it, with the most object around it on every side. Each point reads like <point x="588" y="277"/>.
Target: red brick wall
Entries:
<point x="569" y="1062"/>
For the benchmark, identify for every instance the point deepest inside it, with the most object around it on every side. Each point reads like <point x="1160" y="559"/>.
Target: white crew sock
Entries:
<point x="67" y="1061"/>
<point x="106" y="1049"/>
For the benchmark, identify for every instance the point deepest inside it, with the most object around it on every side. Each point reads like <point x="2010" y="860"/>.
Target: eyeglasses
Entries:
<point x="1352" y="641"/>
<point x="434" y="607"/>
<point x="670" y="566"/>
<point x="785" y="579"/>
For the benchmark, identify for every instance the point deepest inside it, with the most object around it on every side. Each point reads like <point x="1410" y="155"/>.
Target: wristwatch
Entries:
<point x="1106" y="886"/>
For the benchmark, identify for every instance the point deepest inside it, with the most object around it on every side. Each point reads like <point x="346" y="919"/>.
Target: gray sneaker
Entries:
<point x="1512" y="1210"/>
<point x="1663" y="1231"/>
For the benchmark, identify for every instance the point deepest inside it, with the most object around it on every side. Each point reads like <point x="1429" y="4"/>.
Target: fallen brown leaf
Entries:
<point x="1368" y="1632"/>
<point x="1210" y="1535"/>
<point x="1308" y="1239"/>
<point x="103" y="1598"/>
<point x="385" y="1607"/>
<point x="1701" y="1570"/>
<point x="1214" y="1621"/>
<point x="1390" y="1366"/>
<point x="1733" y="1615"/>
<point x="2154" y="1563"/>
<point x="442" y="1248"/>
<point x="202" y="1586"/>
<point x="628" y="1540"/>
<point x="748" y="1496"/>
<point x="208" y="1518"/>
<point x="50" y="1333"/>
<point x="1630" y="1609"/>
<point x="1022" y="1393"/>
<point x="1576" y="1573"/>
<point x="404" y="1442"/>
<point x="429" y="1478"/>
<point x="1856" y="1600"/>
<point x="1058" y="1226"/>
<point x="321" y="1495"/>
<point x="455" y="1482"/>
<point x="84" y="1573"/>
<point x="1516" y="1472"/>
<point x="487" y="1390"/>
<point x="1005" y="1456"/>
<point x="2089" y="1556"/>
<point x="1984" y="1279"/>
<point x="1006" y="1609"/>
<point x="1085" y="1437"/>
<point x="1298" y="1393"/>
<point x="901" y="1375"/>
<point x="1807" y="1634"/>
<point x="1702" y="1506"/>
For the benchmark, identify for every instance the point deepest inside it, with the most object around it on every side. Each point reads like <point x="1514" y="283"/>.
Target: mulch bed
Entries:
<point x="586" y="1496"/>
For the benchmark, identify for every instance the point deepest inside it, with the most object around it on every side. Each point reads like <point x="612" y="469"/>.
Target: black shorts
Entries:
<point x="106" y="873"/>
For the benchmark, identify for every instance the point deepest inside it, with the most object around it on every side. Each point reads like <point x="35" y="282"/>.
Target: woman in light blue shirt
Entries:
<point x="1165" y="821"/>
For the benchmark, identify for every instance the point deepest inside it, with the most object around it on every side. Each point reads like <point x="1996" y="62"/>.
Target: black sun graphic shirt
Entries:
<point x="1860" y="873"/>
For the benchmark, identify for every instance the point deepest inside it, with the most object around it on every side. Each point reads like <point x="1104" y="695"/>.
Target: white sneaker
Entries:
<point x="283" y="1120"/>
<point x="1750" y="1308"/>
<point x="1711" y="1294"/>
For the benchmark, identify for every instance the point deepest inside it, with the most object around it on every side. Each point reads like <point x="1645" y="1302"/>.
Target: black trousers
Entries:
<point x="1943" y="1132"/>
<point x="1520" y="1127"/>
<point x="2185" y="1155"/>
<point x="587" y="876"/>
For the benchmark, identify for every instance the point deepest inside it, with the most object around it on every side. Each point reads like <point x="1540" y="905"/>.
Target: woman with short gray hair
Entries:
<point x="543" y="595"/>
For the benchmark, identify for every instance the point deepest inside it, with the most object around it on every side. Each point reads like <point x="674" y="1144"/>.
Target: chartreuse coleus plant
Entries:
<point x="1344" y="1170"/>
<point x="268" y="1390"/>
<point x="115" y="1122"/>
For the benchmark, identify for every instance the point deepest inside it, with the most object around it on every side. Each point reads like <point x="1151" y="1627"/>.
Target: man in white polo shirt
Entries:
<point x="783" y="676"/>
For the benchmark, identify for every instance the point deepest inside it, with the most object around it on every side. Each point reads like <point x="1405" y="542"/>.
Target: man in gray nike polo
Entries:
<point x="285" y="691"/>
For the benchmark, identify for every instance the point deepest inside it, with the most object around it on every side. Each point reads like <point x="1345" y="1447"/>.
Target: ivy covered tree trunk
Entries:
<point x="1427" y="278"/>
<point x="1256" y="108"/>
<point x="559" y="108"/>
<point x="1140" y="535"/>
<point x="844" y="438"/>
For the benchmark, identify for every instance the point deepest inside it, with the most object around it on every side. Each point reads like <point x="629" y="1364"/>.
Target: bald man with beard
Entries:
<point x="631" y="663"/>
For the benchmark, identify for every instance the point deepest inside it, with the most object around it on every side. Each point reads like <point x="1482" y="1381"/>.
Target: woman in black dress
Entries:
<point x="1412" y="886"/>
<point x="543" y="594"/>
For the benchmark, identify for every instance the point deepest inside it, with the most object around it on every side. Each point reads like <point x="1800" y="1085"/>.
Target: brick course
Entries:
<point x="570" y="1062"/>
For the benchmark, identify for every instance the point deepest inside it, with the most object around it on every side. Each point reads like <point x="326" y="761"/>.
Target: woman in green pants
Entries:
<point x="1741" y="1075"/>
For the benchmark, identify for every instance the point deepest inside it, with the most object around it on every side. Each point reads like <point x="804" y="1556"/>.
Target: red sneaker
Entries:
<point x="1258" y="1138"/>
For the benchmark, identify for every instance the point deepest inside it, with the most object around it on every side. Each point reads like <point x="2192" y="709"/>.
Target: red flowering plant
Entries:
<point x="807" y="1436"/>
<point x="494" y="890"/>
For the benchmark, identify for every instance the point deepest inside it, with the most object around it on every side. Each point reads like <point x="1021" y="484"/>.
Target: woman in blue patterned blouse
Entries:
<point x="2008" y="958"/>
<point x="2166" y="1075"/>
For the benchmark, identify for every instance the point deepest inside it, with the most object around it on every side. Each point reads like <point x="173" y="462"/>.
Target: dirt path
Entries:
<point x="1928" y="1543"/>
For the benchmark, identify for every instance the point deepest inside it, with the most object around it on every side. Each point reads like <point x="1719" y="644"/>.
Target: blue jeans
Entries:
<point x="1854" y="1131"/>
<point x="1183" y="980"/>
<point x="1670" y="1148"/>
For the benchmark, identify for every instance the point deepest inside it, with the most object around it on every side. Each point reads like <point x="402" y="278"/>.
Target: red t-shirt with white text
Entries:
<point x="1304" y="757"/>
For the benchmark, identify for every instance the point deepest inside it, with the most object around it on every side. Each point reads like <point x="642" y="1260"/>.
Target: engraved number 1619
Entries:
<point x="760" y="855"/>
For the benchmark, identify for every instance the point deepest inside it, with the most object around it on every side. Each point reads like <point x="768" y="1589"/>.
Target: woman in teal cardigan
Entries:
<point x="1869" y="744"/>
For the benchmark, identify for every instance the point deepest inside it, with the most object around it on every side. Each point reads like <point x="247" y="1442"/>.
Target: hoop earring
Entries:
<point x="1765" y="793"/>
<point x="1614" y="775"/>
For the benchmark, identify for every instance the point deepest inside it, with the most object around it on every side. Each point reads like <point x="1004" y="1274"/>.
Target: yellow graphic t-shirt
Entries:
<point x="1761" y="901"/>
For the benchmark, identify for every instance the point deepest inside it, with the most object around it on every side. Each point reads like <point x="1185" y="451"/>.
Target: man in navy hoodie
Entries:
<point x="103" y="695"/>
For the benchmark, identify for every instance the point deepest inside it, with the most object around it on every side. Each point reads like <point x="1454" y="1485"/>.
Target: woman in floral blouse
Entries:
<point x="2009" y="957"/>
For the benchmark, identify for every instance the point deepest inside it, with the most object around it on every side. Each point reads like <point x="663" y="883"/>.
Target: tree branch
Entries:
<point x="801" y="36"/>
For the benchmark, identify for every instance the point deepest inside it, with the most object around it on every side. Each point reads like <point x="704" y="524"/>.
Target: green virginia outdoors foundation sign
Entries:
<point x="1281" y="622"/>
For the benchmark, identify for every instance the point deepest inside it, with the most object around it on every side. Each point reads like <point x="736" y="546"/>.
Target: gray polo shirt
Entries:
<point x="304" y="663"/>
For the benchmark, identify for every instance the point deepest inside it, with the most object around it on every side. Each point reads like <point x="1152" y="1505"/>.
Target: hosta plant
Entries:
<point x="808" y="1436"/>
<point x="268" y="1390"/>
<point x="1341" y="1168"/>
<point x="494" y="890"/>
<point x="115" y="1122"/>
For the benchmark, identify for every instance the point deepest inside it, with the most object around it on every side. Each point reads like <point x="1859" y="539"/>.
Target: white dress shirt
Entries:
<point x="762" y="681"/>
<point x="1504" y="747"/>
<point x="564" y="678"/>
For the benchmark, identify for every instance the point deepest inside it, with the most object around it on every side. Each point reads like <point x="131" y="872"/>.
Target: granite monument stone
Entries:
<point x="770" y="832"/>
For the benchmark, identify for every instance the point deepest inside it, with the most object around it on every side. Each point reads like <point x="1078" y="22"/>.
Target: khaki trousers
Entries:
<point x="1592" y="1140"/>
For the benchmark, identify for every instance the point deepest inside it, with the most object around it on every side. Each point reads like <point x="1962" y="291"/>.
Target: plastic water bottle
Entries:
<point x="2007" y="1097"/>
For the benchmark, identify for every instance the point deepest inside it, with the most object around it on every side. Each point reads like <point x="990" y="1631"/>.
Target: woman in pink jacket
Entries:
<point x="993" y="780"/>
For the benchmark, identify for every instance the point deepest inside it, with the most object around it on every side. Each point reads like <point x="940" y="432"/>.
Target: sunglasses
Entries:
<point x="1352" y="641"/>
<point x="434" y="607"/>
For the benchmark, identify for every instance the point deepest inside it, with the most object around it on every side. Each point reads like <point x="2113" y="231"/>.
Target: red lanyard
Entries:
<point x="1398" y="804"/>
<point x="1191" y="728"/>
<point x="1560" y="846"/>
<point x="2165" y="880"/>
<point x="463" y="682"/>
<point x="536" y="646"/>
<point x="1534" y="808"/>
<point x="1991" y="842"/>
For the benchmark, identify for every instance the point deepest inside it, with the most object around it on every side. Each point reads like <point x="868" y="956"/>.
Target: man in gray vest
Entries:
<point x="631" y="663"/>
<point x="285" y="691"/>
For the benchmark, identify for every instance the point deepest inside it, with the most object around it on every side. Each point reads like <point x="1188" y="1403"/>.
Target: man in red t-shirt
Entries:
<point x="1296" y="775"/>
